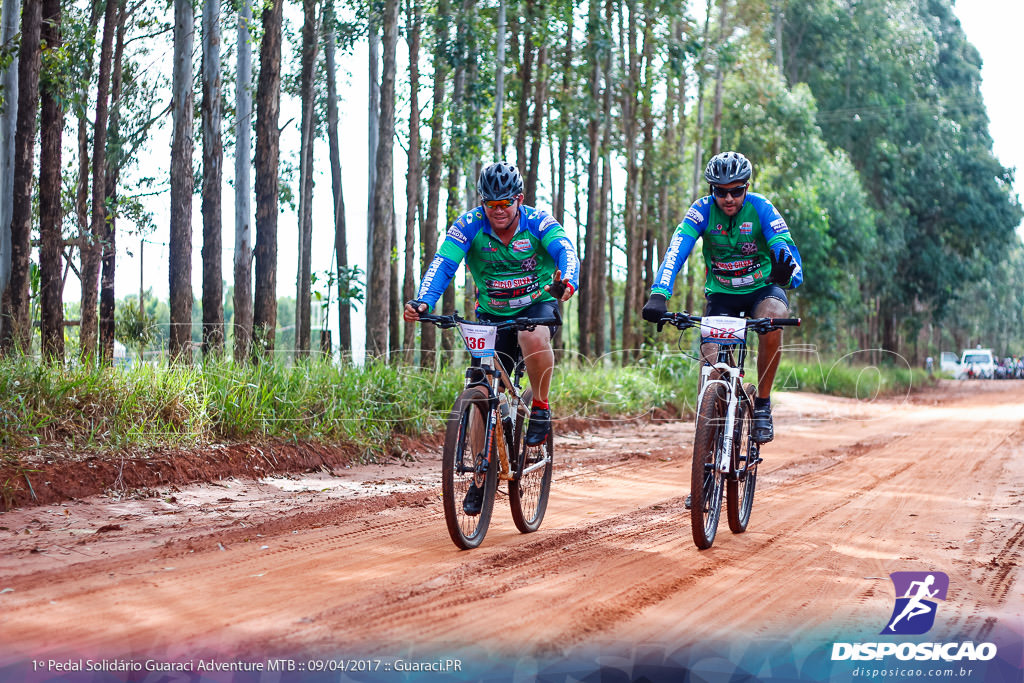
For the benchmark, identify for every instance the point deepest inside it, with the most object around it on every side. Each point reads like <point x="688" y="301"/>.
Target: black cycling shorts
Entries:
<point x="506" y="346"/>
<point x="737" y="305"/>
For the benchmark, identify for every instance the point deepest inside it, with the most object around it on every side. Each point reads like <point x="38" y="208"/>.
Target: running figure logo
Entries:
<point x="916" y="594"/>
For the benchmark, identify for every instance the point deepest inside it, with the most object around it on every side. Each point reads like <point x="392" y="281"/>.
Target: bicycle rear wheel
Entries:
<point x="529" y="488"/>
<point x="464" y="451"/>
<point x="706" y="482"/>
<point x="743" y="474"/>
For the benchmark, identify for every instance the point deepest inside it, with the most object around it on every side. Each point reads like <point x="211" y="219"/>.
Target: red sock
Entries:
<point x="541" y="404"/>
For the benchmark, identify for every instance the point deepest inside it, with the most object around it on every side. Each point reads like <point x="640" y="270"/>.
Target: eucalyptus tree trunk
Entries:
<point x="567" y="103"/>
<point x="526" y="84"/>
<point x="453" y="206"/>
<point x="698" y="133"/>
<point x="90" y="246"/>
<point x="82" y="187"/>
<point x="379" y="278"/>
<point x="11" y="24"/>
<point x="679" y="194"/>
<point x="588" y="321"/>
<point x="412" y="178"/>
<point x="17" y="328"/>
<point x="428" y="229"/>
<point x="180" y="249"/>
<point x="372" y="137"/>
<point x="307" y="97"/>
<point x="213" y="173"/>
<point x="716" y="121"/>
<point x="499" y="83"/>
<point x="692" y="283"/>
<point x="537" y="125"/>
<point x="242" y="321"/>
<point x="340" y="237"/>
<point x="607" y="217"/>
<point x="108" y="255"/>
<point x="470" y="131"/>
<point x="394" y="291"/>
<point x="51" y="214"/>
<point x="603" y="282"/>
<point x="647" y="190"/>
<point x="268" y="140"/>
<point x="634" y="229"/>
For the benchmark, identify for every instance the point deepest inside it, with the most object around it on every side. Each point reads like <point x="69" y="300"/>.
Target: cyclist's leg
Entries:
<point x="536" y="348"/>
<point x="772" y="304"/>
<point x="540" y="363"/>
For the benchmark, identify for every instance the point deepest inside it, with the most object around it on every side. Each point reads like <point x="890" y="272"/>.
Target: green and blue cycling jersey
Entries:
<point x="509" y="278"/>
<point x="736" y="249"/>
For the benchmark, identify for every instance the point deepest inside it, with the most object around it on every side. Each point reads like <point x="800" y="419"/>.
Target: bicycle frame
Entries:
<point x="486" y="372"/>
<point x="493" y="378"/>
<point x="734" y="372"/>
<point x="732" y="354"/>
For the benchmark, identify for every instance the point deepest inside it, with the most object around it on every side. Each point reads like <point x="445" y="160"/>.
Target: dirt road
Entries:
<point x="360" y="564"/>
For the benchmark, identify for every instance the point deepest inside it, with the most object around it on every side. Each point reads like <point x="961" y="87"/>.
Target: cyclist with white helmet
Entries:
<point x="751" y="259"/>
<point x="523" y="265"/>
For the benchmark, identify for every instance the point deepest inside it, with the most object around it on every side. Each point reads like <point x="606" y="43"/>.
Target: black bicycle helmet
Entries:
<point x="500" y="180"/>
<point x="727" y="167"/>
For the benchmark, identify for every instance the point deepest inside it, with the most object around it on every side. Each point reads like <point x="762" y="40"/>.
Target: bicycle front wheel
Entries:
<point x="743" y="472"/>
<point x="529" y="488"/>
<point x="465" y="448"/>
<point x="706" y="482"/>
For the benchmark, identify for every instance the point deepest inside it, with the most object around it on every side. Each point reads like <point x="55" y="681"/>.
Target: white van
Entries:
<point x="949" y="363"/>
<point x="977" y="364"/>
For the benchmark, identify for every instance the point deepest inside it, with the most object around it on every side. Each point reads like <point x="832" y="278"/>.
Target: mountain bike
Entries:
<point x="725" y="457"/>
<point x="483" y="438"/>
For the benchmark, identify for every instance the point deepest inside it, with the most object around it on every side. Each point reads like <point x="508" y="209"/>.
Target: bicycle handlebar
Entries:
<point x="453" y="320"/>
<point x="684" y="321"/>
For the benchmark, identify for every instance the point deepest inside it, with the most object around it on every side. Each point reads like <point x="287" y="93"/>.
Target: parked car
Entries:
<point x="949" y="363"/>
<point x="977" y="364"/>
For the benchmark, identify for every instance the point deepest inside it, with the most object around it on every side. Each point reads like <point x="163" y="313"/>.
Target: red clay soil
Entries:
<point x="338" y="557"/>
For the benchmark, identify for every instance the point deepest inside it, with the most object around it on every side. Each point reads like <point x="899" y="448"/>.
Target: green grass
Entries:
<point x="87" y="409"/>
<point x="845" y="377"/>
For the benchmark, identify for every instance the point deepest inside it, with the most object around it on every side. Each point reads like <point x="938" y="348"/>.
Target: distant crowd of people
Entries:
<point x="1010" y="368"/>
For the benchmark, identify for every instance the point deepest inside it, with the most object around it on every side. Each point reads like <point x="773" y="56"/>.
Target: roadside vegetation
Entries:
<point x="85" y="409"/>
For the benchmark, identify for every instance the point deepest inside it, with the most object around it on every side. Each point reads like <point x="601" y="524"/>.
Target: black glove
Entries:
<point x="416" y="303"/>
<point x="556" y="289"/>
<point x="655" y="308"/>
<point x="783" y="266"/>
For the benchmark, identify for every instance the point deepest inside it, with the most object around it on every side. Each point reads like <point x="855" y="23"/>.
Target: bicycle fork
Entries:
<point x="722" y="457"/>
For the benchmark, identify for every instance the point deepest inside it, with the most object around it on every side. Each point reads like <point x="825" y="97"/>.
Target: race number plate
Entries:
<point x="722" y="329"/>
<point x="479" y="339"/>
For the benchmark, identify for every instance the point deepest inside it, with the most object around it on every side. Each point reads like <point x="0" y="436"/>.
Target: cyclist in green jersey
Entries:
<point x="751" y="259"/>
<point x="523" y="265"/>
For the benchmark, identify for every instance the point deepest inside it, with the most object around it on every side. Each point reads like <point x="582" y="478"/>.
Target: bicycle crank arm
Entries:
<point x="535" y="466"/>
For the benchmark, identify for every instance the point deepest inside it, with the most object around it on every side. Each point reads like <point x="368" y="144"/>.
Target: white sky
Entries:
<point x="993" y="26"/>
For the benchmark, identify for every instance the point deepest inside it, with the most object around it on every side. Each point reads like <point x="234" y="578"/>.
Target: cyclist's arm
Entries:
<point x="776" y="234"/>
<point x="679" y="248"/>
<point x="564" y="254"/>
<point x="445" y="265"/>
<point x="559" y="246"/>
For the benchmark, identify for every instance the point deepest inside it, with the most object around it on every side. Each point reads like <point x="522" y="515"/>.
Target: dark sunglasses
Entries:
<point x="736" y="192"/>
